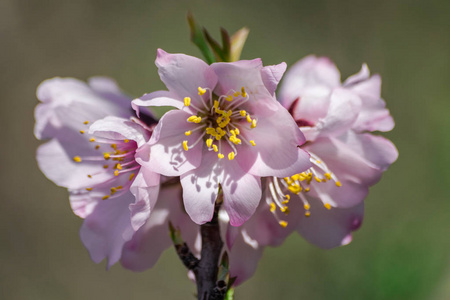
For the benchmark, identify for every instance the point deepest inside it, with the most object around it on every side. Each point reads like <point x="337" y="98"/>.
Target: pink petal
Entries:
<point x="374" y="115"/>
<point x="55" y="159"/>
<point x="276" y="152"/>
<point x="167" y="155"/>
<point x="330" y="228"/>
<point x="244" y="257"/>
<point x="241" y="193"/>
<point x="376" y="149"/>
<point x="107" y="229"/>
<point x="310" y="78"/>
<point x="159" y="98"/>
<point x="145" y="189"/>
<point x="200" y="188"/>
<point x="119" y="129"/>
<point x="243" y="73"/>
<point x="271" y="76"/>
<point x="343" y="110"/>
<point x="183" y="74"/>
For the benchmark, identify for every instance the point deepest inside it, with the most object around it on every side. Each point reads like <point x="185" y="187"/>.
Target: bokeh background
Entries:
<point x="402" y="249"/>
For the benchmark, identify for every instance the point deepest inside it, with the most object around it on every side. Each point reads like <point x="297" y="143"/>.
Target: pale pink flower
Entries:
<point x="228" y="130"/>
<point x="347" y="160"/>
<point x="93" y="151"/>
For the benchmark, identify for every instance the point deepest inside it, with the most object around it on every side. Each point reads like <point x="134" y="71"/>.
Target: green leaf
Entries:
<point x="216" y="48"/>
<point x="199" y="40"/>
<point x="230" y="294"/>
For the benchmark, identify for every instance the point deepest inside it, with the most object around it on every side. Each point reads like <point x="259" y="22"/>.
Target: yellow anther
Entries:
<point x="201" y="91"/>
<point x="119" y="187"/>
<point x="209" y="142"/>
<point x="105" y="197"/>
<point x="231" y="155"/>
<point x="220" y="155"/>
<point x="116" y="173"/>
<point x="185" y="146"/>
<point x="114" y="146"/>
<point x="307" y="206"/>
<point x="295" y="189"/>
<point x="243" y="113"/>
<point x="188" y="133"/>
<point x="285" y="202"/>
<point x="91" y="140"/>
<point x="77" y="159"/>
<point x="118" y="166"/>
<point x="105" y="166"/>
<point x="187" y="101"/>
<point x="318" y="161"/>
<point x="235" y="94"/>
<point x="97" y="147"/>
<point x="283" y="224"/>
<point x="287" y="197"/>
<point x="253" y="123"/>
<point x="327" y="206"/>
<point x="82" y="131"/>
<point x="338" y="183"/>
<point x="252" y="142"/>
<point x="113" y="190"/>
<point x="327" y="175"/>
<point x="307" y="213"/>
<point x="86" y="122"/>
<point x="210" y="130"/>
<point x="106" y="155"/>
<point x="307" y="189"/>
<point x="192" y="119"/>
<point x="89" y="175"/>
<point x="243" y="93"/>
<point x="229" y="98"/>
<point x="237" y="131"/>
<point x="88" y="189"/>
<point x="273" y="207"/>
<point x="249" y="119"/>
<point x="131" y="177"/>
<point x="215" y="148"/>
<point x="126" y="140"/>
<point x="198" y="120"/>
<point x="317" y="179"/>
<point x="284" y="209"/>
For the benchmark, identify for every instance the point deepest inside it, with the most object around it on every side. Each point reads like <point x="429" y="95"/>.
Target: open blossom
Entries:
<point x="336" y="119"/>
<point x="93" y="151"/>
<point x="229" y="130"/>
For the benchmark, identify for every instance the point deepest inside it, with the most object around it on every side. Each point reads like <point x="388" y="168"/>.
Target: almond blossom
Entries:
<point x="93" y="151"/>
<point x="336" y="120"/>
<point x="228" y="131"/>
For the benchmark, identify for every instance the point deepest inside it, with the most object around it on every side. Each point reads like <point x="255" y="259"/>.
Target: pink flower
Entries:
<point x="229" y="130"/>
<point x="97" y="163"/>
<point x="336" y="119"/>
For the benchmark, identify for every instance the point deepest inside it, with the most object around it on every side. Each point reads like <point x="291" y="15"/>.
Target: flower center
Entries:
<point x="299" y="184"/>
<point x="118" y="164"/>
<point x="220" y="120"/>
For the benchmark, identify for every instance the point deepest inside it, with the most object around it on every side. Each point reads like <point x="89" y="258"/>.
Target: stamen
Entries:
<point x="82" y="131"/>
<point x="86" y="122"/>
<point x="201" y="91"/>
<point x="88" y="189"/>
<point x="77" y="158"/>
<point x="231" y="156"/>
<point x="252" y="142"/>
<point x="105" y="197"/>
<point x="187" y="101"/>
<point x="243" y="93"/>
<point x="185" y="146"/>
<point x="220" y="155"/>
<point x="188" y="133"/>
<point x="283" y="224"/>
<point x="92" y="140"/>
<point x="327" y="206"/>
<point x="253" y="124"/>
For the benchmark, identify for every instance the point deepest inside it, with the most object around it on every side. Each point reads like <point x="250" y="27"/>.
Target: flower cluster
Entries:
<point x="301" y="163"/>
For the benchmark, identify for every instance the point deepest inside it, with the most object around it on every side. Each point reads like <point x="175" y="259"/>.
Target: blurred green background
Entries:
<point x="401" y="251"/>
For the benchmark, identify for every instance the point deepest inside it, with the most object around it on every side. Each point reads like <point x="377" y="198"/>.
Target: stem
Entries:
<point x="206" y="271"/>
